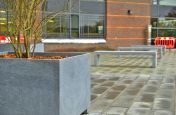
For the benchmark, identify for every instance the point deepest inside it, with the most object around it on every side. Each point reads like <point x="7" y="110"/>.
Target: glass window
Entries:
<point x="83" y="19"/>
<point x="74" y="26"/>
<point x="57" y="5"/>
<point x="167" y="23"/>
<point x="167" y="11"/>
<point x="155" y="11"/>
<point x="167" y="32"/>
<point x="58" y="27"/>
<point x="92" y="7"/>
<point x="3" y="20"/>
<point x="92" y="26"/>
<point x="75" y="6"/>
<point x="154" y="22"/>
<point x="155" y="2"/>
<point x="168" y="2"/>
<point x="154" y="33"/>
<point x="164" y="18"/>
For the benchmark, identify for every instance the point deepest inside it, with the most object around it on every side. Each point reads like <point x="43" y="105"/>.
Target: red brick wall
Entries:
<point x="124" y="29"/>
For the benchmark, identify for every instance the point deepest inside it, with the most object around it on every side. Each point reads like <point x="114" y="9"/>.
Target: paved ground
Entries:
<point x="128" y="86"/>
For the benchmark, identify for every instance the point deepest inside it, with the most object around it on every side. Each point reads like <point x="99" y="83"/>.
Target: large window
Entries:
<point x="167" y="2"/>
<point x="92" y="26"/>
<point x="81" y="19"/>
<point x="3" y="19"/>
<point x="163" y="18"/>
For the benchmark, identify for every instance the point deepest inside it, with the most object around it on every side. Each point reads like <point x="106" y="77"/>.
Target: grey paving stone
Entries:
<point x="162" y="112"/>
<point x="124" y="101"/>
<point x="107" y="83"/>
<point x="141" y="105"/>
<point x="168" y="80"/>
<point x="156" y="77"/>
<point x="130" y="92"/>
<point x="131" y="76"/>
<point x="119" y="87"/>
<point x="162" y="103"/>
<point x="99" y="90"/>
<point x="146" y="97"/>
<point x="92" y="114"/>
<point x="165" y="93"/>
<point x="150" y="89"/>
<point x="114" y="78"/>
<point x="111" y="94"/>
<point x="146" y="91"/>
<point x="116" y="111"/>
<point x="99" y="80"/>
<point x="126" y="81"/>
<point x="99" y="106"/>
<point x="137" y="85"/>
<point x="142" y="78"/>
<point x="139" y="111"/>
<point x="154" y="82"/>
<point x="93" y="84"/>
<point x="167" y="86"/>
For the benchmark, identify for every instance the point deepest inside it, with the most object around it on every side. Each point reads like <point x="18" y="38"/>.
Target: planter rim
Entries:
<point x="76" y="54"/>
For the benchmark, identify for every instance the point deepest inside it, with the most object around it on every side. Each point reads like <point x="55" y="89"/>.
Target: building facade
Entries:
<point x="103" y="24"/>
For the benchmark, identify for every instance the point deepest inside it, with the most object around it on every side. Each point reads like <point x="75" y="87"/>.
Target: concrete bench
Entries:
<point x="159" y="49"/>
<point x="150" y="53"/>
<point x="152" y="46"/>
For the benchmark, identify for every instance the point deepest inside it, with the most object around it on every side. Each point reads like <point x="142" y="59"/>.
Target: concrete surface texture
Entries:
<point x="121" y="87"/>
<point x="45" y="87"/>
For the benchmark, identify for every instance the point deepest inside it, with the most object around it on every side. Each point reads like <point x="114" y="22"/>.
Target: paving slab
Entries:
<point x="162" y="112"/>
<point x="125" y="85"/>
<point x="116" y="111"/>
<point x="162" y="104"/>
<point x="139" y="111"/>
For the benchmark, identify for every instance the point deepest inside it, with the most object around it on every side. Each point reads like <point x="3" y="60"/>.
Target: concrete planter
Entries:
<point x="45" y="87"/>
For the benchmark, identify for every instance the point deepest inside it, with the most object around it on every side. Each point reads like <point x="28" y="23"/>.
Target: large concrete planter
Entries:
<point x="45" y="87"/>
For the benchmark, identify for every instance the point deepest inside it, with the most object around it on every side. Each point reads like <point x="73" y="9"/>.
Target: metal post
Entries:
<point x="96" y="59"/>
<point x="149" y="35"/>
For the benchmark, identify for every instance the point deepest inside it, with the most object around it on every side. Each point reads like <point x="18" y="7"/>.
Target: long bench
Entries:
<point x="97" y="55"/>
<point x="159" y="49"/>
<point x="152" y="46"/>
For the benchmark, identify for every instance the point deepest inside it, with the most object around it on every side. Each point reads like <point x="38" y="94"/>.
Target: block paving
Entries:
<point x="127" y="85"/>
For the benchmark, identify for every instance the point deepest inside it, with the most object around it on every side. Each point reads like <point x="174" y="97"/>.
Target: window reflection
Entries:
<point x="155" y="2"/>
<point x="74" y="26"/>
<point x="154" y="22"/>
<point x="168" y="2"/>
<point x="92" y="26"/>
<point x="164" y="18"/>
<point x="154" y="33"/>
<point x="83" y="19"/>
<point x="57" y="5"/>
<point x="167" y="32"/>
<point x="93" y="7"/>
<point x="3" y="21"/>
<point x="167" y="11"/>
<point x="58" y="27"/>
<point x="168" y="23"/>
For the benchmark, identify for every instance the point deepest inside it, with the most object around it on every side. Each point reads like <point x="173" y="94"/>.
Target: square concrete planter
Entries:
<point x="45" y="87"/>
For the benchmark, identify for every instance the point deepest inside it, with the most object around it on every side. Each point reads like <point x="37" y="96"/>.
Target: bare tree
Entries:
<point x="25" y="18"/>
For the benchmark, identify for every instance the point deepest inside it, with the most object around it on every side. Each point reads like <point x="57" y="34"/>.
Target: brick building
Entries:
<point x="105" y="24"/>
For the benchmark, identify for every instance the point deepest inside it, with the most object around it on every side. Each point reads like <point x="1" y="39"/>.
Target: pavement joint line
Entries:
<point x="111" y="105"/>
<point x="164" y="74"/>
<point x="102" y="93"/>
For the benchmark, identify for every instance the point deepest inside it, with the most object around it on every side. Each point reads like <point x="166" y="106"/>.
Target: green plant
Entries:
<point x="26" y="18"/>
